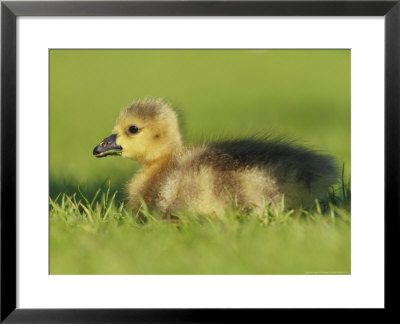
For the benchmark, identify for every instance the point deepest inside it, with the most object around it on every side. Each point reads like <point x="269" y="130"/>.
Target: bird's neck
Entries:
<point x="156" y="166"/>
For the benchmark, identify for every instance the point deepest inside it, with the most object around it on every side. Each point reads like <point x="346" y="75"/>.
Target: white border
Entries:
<point x="363" y="288"/>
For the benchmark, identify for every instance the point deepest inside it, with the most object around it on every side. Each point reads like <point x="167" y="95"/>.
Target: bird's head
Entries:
<point x="145" y="131"/>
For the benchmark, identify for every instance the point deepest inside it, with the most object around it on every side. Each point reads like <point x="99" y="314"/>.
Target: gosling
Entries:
<point x="211" y="178"/>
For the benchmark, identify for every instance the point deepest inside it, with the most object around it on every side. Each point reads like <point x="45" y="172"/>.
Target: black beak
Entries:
<point x="108" y="147"/>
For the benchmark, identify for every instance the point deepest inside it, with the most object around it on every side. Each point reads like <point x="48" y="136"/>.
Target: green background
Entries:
<point x="300" y="94"/>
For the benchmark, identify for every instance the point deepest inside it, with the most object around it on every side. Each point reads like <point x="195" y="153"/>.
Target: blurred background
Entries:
<point x="300" y="94"/>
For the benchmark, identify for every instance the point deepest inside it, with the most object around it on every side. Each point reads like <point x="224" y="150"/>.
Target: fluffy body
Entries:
<point x="250" y="173"/>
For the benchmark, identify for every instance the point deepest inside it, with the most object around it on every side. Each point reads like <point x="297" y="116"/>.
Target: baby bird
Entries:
<point x="211" y="178"/>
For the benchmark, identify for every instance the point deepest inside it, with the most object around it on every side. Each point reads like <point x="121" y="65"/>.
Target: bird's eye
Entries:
<point x="133" y="129"/>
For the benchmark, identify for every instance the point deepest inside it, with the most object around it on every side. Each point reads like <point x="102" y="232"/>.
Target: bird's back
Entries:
<point x="281" y="157"/>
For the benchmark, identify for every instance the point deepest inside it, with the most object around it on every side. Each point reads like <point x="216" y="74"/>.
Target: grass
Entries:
<point x="101" y="236"/>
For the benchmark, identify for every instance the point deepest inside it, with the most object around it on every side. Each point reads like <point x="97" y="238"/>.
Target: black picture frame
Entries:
<point x="10" y="10"/>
